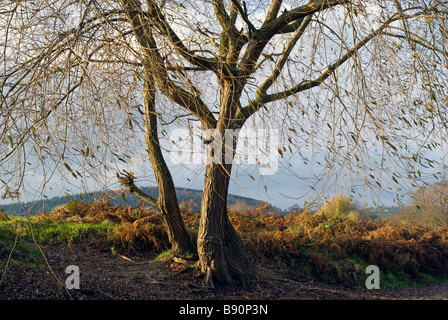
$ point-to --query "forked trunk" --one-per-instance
(221, 252)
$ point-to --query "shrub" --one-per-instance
(340, 206)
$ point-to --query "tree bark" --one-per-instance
(167, 201)
(221, 252)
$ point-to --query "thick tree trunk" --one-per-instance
(182, 245)
(221, 252)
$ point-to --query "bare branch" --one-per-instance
(157, 16)
(262, 98)
(244, 16)
(127, 180)
(273, 27)
(153, 58)
(273, 10)
(284, 57)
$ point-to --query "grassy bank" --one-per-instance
(333, 248)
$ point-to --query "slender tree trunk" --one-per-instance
(182, 245)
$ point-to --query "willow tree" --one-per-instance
(325, 69)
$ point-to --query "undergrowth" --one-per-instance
(332, 248)
(338, 249)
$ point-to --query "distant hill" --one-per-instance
(116, 197)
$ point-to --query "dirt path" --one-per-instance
(104, 276)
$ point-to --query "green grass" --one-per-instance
(65, 232)
(351, 271)
(17, 251)
(429, 279)
(400, 279)
(50, 232)
(165, 255)
(17, 235)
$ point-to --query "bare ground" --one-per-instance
(105, 276)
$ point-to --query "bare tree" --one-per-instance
(427, 207)
(335, 73)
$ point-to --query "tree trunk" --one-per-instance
(221, 252)
(222, 256)
(182, 245)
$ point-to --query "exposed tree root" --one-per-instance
(209, 278)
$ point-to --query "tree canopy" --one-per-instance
(70, 66)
